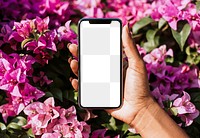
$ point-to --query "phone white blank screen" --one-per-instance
(100, 64)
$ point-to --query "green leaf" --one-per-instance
(30, 133)
(74, 28)
(174, 111)
(141, 23)
(198, 5)
(57, 93)
(48, 94)
(125, 127)
(161, 23)
(21, 121)
(13, 126)
(182, 36)
(111, 125)
(152, 40)
(25, 41)
(2, 126)
(135, 136)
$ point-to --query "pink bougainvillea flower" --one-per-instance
(34, 109)
(7, 110)
(5, 34)
(91, 8)
(99, 133)
(46, 41)
(46, 119)
(186, 109)
(161, 96)
(192, 16)
(194, 41)
(128, 11)
(51, 135)
(188, 118)
(65, 33)
(42, 79)
(42, 24)
(11, 80)
(24, 62)
(158, 55)
(85, 129)
(4, 67)
(30, 91)
(171, 73)
(24, 28)
(169, 12)
(181, 4)
(67, 116)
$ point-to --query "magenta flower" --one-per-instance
(169, 12)
(4, 67)
(23, 30)
(192, 16)
(42, 24)
(24, 62)
(65, 33)
(46, 41)
(11, 80)
(7, 110)
(131, 11)
(47, 120)
(42, 79)
(186, 110)
(193, 40)
(158, 55)
(161, 96)
(5, 34)
(99, 133)
(66, 116)
(91, 8)
(51, 135)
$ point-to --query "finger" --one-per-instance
(73, 48)
(74, 66)
(129, 48)
(74, 83)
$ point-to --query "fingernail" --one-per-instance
(129, 30)
(68, 45)
(69, 60)
(128, 26)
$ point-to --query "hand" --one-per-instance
(136, 86)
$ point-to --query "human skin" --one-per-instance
(139, 109)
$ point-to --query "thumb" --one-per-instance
(129, 48)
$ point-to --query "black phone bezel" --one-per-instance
(99, 21)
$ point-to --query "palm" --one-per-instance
(134, 94)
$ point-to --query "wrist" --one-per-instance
(153, 121)
(145, 115)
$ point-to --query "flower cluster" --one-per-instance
(173, 11)
(58, 11)
(168, 83)
(129, 10)
(91, 8)
(50, 121)
(34, 37)
(14, 70)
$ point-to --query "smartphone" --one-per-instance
(100, 63)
